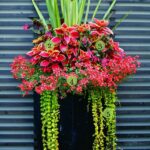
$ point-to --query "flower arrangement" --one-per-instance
(78, 58)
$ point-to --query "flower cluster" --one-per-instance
(72, 59)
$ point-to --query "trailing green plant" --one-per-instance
(104, 118)
(49, 118)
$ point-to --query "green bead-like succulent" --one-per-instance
(108, 113)
(48, 44)
(100, 45)
(72, 80)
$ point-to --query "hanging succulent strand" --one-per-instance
(98, 121)
(104, 120)
(110, 119)
(49, 118)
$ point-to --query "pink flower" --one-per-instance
(104, 62)
(26, 27)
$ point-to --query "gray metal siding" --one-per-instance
(133, 117)
(16, 112)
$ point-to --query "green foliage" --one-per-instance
(104, 119)
(100, 45)
(72, 12)
(109, 9)
(72, 80)
(49, 118)
(87, 11)
(120, 20)
(48, 44)
(53, 11)
(96, 9)
(40, 15)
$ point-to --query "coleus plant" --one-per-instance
(79, 58)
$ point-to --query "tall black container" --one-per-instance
(75, 126)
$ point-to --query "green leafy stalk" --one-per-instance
(40, 15)
(121, 20)
(50, 12)
(81, 10)
(57, 16)
(53, 11)
(109, 9)
(96, 9)
(75, 12)
(87, 11)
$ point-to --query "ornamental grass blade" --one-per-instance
(40, 15)
(96, 9)
(81, 10)
(109, 16)
(65, 11)
(50, 9)
(109, 9)
(75, 12)
(56, 12)
(121, 20)
(87, 11)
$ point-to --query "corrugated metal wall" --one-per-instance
(16, 113)
(134, 114)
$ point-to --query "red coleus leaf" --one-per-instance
(74, 34)
(70, 29)
(107, 31)
(55, 66)
(59, 31)
(95, 33)
(61, 57)
(101, 23)
(56, 40)
(93, 25)
(64, 25)
(36, 57)
(67, 39)
(54, 53)
(44, 63)
(44, 54)
(75, 51)
(63, 47)
(30, 53)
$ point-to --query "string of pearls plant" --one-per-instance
(49, 118)
(104, 118)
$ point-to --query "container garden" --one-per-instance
(74, 59)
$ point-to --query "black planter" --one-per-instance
(75, 126)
